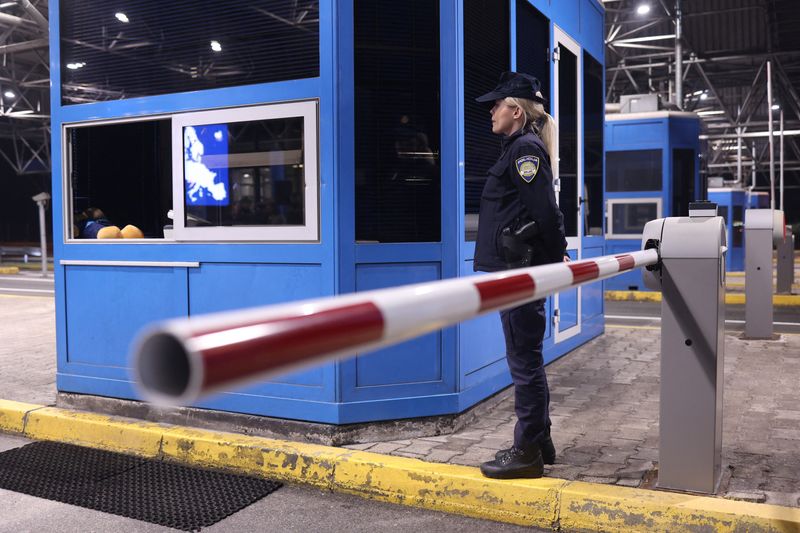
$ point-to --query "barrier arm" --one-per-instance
(180, 361)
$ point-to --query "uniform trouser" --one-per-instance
(524, 327)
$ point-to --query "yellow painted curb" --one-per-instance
(731, 298)
(546, 503)
(9, 270)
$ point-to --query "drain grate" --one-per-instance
(153, 491)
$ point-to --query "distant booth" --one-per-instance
(652, 171)
(272, 151)
(731, 205)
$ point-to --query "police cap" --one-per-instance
(517, 85)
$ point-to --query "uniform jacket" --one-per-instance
(519, 189)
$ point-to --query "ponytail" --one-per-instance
(538, 120)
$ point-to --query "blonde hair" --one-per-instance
(540, 122)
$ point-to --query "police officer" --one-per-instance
(520, 224)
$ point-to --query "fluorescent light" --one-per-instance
(643, 9)
(23, 112)
(216, 46)
(122, 17)
(703, 96)
(75, 66)
(9, 94)
(7, 4)
(775, 107)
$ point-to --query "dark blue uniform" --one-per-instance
(519, 189)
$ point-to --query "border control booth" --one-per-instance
(293, 153)
(652, 171)
(731, 204)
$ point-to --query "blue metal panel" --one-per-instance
(416, 367)
(627, 135)
(592, 34)
(566, 14)
(109, 306)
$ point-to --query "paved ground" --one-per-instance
(604, 405)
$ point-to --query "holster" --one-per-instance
(517, 244)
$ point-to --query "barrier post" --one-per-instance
(691, 280)
(759, 234)
(786, 263)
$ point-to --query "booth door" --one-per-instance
(567, 102)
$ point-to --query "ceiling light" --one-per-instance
(216, 46)
(122, 17)
(643, 9)
(703, 96)
(9, 94)
(707, 113)
(775, 107)
(7, 4)
(75, 66)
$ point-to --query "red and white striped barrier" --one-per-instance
(182, 360)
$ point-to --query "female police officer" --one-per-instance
(520, 224)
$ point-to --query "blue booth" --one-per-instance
(652, 171)
(731, 204)
(271, 151)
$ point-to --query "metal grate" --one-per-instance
(143, 489)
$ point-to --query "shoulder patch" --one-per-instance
(527, 167)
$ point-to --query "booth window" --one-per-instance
(633, 170)
(117, 50)
(237, 174)
(682, 181)
(593, 106)
(738, 225)
(119, 175)
(533, 44)
(487, 54)
(568, 106)
(397, 121)
(629, 216)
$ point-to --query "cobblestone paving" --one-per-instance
(604, 408)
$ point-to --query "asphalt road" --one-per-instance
(27, 284)
(638, 314)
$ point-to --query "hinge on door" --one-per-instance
(557, 184)
(557, 53)
(556, 318)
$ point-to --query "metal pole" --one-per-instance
(781, 187)
(43, 238)
(678, 57)
(771, 141)
(739, 156)
(755, 163)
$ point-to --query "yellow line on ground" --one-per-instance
(780, 300)
(547, 502)
(9, 270)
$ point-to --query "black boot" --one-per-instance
(515, 463)
(546, 445)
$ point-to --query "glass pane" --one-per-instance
(397, 118)
(630, 218)
(244, 173)
(633, 170)
(120, 175)
(118, 49)
(593, 108)
(682, 181)
(738, 225)
(533, 43)
(568, 140)
(487, 54)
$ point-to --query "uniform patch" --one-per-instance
(527, 167)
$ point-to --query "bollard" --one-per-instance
(760, 233)
(692, 282)
(786, 263)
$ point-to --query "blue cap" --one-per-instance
(517, 85)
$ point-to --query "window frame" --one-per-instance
(611, 202)
(309, 232)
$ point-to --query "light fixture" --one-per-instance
(9, 94)
(75, 66)
(643, 9)
(216, 46)
(775, 107)
(122, 17)
(704, 96)
(708, 113)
